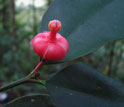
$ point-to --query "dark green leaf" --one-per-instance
(79, 85)
(31, 101)
(87, 24)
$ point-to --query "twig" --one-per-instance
(19, 82)
(31, 78)
(16, 83)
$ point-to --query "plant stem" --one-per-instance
(31, 78)
(19, 82)
(16, 83)
(39, 65)
(37, 81)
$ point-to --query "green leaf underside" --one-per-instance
(31, 101)
(79, 85)
(87, 24)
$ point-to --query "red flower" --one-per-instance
(50, 45)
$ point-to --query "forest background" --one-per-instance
(19, 23)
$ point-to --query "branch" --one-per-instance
(19, 82)
(31, 78)
(16, 83)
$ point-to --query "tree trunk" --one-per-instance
(4, 15)
(34, 18)
(111, 59)
(12, 17)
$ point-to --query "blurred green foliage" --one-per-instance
(17, 57)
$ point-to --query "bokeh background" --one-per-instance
(19, 23)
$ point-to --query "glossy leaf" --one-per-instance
(79, 85)
(87, 24)
(31, 101)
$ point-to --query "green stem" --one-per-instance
(31, 78)
(19, 82)
(37, 81)
(14, 84)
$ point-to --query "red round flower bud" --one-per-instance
(54, 25)
(50, 45)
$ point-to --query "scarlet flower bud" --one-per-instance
(50, 45)
(54, 25)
